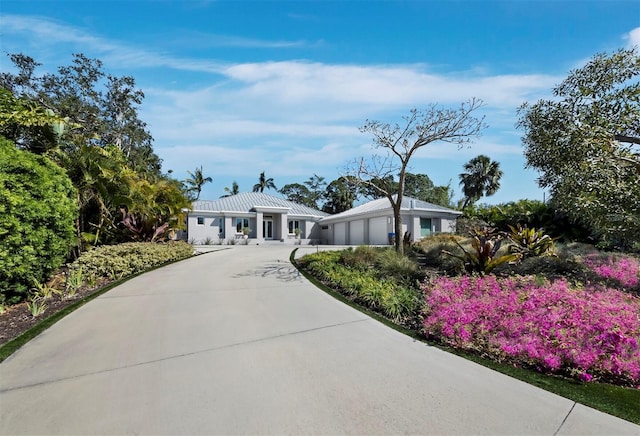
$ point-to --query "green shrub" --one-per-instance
(401, 268)
(362, 257)
(117, 261)
(37, 213)
(371, 287)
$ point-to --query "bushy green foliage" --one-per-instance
(529, 242)
(37, 213)
(367, 285)
(117, 261)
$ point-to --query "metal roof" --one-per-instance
(383, 205)
(248, 201)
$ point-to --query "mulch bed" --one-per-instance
(17, 319)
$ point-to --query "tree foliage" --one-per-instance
(481, 177)
(264, 183)
(37, 213)
(400, 142)
(585, 144)
(298, 193)
(196, 181)
(340, 195)
(87, 122)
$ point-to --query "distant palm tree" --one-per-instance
(481, 177)
(196, 180)
(263, 183)
(234, 190)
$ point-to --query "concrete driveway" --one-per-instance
(237, 342)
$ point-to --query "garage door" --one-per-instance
(356, 232)
(340, 233)
(378, 234)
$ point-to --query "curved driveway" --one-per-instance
(237, 342)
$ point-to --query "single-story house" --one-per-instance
(266, 217)
(372, 223)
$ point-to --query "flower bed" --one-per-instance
(588, 333)
(625, 270)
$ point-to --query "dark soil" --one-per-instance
(17, 319)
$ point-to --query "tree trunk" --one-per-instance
(398, 226)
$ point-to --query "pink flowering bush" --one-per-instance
(623, 270)
(587, 333)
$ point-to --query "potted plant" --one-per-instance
(297, 232)
(245, 232)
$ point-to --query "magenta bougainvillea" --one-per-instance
(590, 333)
(624, 270)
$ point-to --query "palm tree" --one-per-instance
(263, 183)
(196, 181)
(481, 177)
(234, 190)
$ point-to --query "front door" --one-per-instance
(267, 229)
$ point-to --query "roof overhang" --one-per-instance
(271, 209)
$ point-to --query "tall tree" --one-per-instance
(421, 187)
(234, 190)
(264, 183)
(481, 177)
(298, 193)
(586, 145)
(102, 109)
(196, 181)
(340, 195)
(317, 186)
(400, 143)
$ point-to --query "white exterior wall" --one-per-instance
(199, 232)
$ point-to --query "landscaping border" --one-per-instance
(615, 400)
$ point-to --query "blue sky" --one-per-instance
(282, 87)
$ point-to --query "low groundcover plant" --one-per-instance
(625, 270)
(589, 333)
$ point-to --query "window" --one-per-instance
(221, 225)
(201, 221)
(293, 226)
(241, 223)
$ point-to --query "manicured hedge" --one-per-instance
(117, 261)
(37, 213)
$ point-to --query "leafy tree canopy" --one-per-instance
(585, 144)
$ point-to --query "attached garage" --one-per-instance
(378, 234)
(371, 223)
(356, 232)
(340, 234)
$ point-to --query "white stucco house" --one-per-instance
(372, 223)
(269, 218)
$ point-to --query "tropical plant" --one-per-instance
(264, 183)
(234, 190)
(36, 306)
(529, 242)
(196, 181)
(37, 213)
(481, 177)
(484, 257)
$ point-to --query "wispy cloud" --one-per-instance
(633, 38)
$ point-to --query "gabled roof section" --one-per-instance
(248, 201)
(383, 205)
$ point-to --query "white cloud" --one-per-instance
(633, 38)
